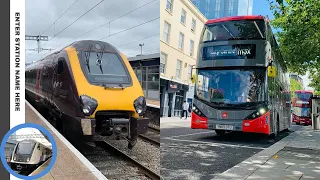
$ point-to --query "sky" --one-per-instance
(262, 7)
(41, 14)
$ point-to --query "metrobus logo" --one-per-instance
(224, 115)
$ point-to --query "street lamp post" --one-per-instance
(141, 47)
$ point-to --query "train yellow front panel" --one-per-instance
(108, 99)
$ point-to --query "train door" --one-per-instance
(57, 80)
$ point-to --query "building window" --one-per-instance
(191, 47)
(163, 60)
(217, 8)
(178, 69)
(193, 25)
(169, 6)
(183, 16)
(166, 32)
(231, 6)
(189, 72)
(181, 41)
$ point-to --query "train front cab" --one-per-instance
(115, 108)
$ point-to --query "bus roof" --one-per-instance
(303, 91)
(234, 18)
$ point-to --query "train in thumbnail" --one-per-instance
(28, 154)
(90, 89)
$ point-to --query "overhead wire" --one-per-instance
(104, 23)
(74, 21)
(67, 42)
(60, 16)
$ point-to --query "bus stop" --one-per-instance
(315, 112)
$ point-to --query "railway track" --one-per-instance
(115, 164)
(152, 136)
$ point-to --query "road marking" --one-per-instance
(215, 144)
(207, 132)
(84, 160)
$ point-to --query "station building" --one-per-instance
(181, 25)
(146, 68)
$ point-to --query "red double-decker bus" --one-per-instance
(301, 107)
(241, 80)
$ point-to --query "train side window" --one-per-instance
(60, 65)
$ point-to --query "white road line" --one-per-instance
(215, 144)
(206, 132)
(84, 160)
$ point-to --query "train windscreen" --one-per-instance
(25, 148)
(106, 68)
(235, 30)
(240, 87)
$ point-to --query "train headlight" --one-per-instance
(14, 158)
(88, 105)
(140, 105)
(28, 159)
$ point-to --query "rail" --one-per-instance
(148, 172)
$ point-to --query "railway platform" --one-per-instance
(70, 163)
(153, 103)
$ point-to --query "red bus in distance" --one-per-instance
(301, 107)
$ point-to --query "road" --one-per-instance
(201, 154)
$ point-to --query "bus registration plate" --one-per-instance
(225, 127)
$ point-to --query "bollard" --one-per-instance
(316, 122)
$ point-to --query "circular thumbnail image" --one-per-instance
(28, 151)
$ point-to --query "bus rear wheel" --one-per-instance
(220, 132)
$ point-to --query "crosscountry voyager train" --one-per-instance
(90, 89)
(28, 154)
(241, 80)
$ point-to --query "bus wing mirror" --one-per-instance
(271, 71)
(193, 78)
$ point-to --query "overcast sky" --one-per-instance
(40, 14)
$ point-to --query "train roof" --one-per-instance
(235, 18)
(95, 45)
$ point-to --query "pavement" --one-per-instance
(295, 157)
(200, 154)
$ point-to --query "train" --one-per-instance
(90, 90)
(28, 154)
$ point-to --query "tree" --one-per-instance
(299, 37)
(294, 85)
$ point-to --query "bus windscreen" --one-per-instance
(238, 86)
(235, 30)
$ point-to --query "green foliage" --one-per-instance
(317, 93)
(294, 85)
(299, 39)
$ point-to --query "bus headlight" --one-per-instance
(88, 105)
(197, 111)
(261, 111)
(140, 105)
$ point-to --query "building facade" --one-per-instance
(146, 68)
(297, 78)
(181, 25)
(213, 9)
